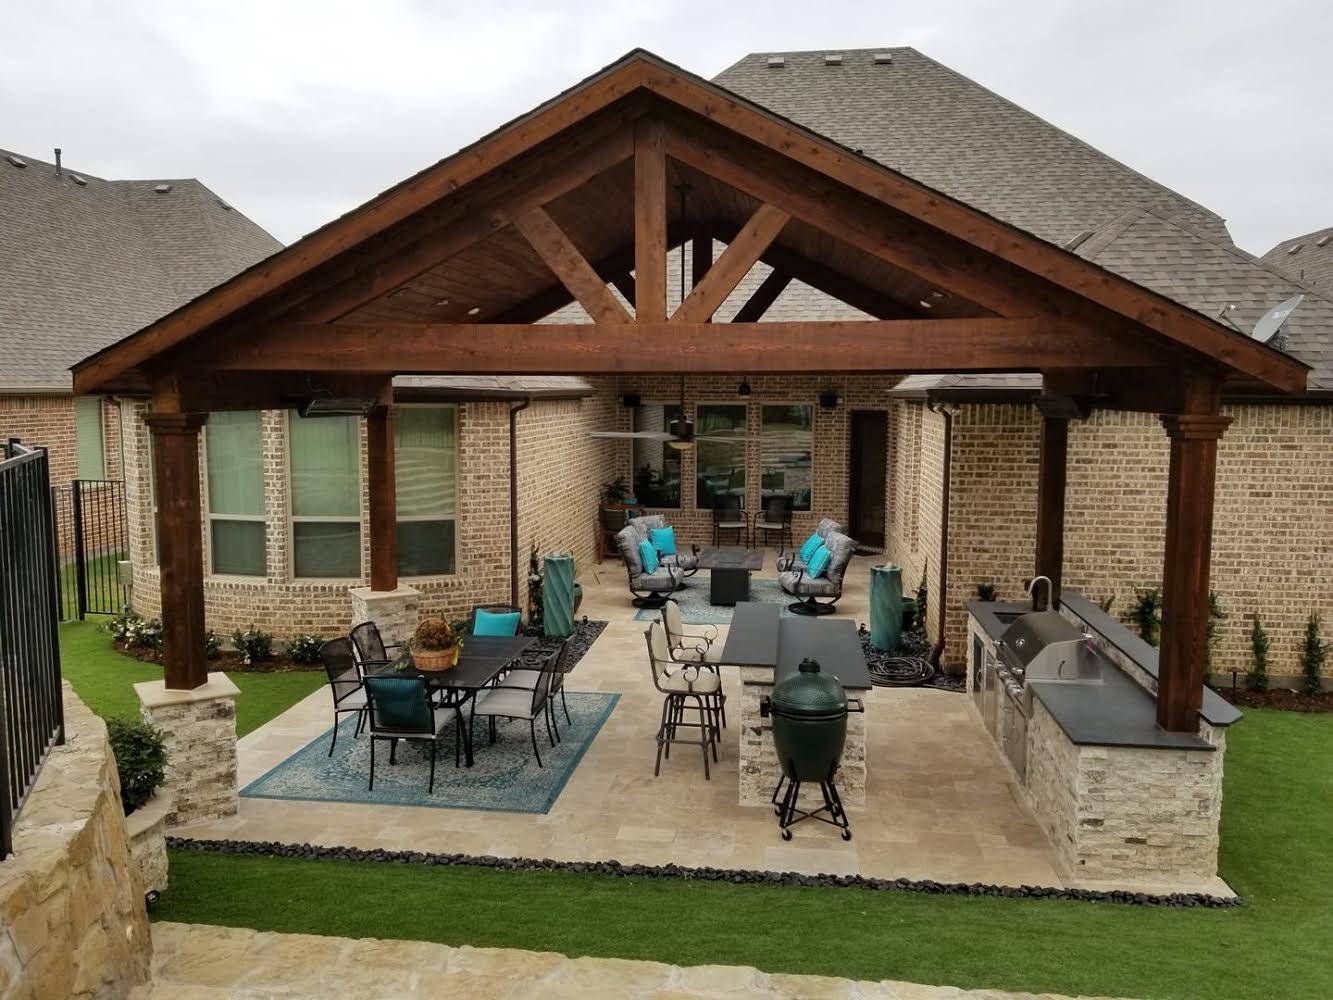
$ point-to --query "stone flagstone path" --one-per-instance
(197, 962)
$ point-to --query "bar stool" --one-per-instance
(685, 688)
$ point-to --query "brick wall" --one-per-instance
(48, 421)
(1273, 536)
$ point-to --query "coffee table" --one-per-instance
(729, 572)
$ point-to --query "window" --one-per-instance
(720, 464)
(785, 446)
(656, 463)
(235, 464)
(88, 437)
(325, 459)
(426, 470)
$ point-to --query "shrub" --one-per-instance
(922, 600)
(304, 648)
(435, 634)
(141, 758)
(253, 644)
(1257, 679)
(1106, 602)
(1313, 653)
(1146, 614)
(985, 591)
(212, 644)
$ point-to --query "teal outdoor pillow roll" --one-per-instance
(818, 563)
(664, 540)
(648, 555)
(809, 548)
(490, 623)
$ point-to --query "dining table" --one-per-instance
(482, 659)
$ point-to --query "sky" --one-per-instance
(296, 111)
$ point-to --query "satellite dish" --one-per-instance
(1271, 322)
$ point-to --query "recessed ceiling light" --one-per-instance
(441, 303)
(474, 310)
(924, 304)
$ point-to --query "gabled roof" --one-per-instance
(84, 264)
(1187, 266)
(1307, 258)
(992, 246)
(933, 124)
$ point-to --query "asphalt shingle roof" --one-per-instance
(1307, 258)
(83, 265)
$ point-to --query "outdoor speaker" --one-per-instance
(630, 399)
(828, 400)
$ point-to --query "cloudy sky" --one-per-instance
(297, 110)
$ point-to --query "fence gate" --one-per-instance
(92, 540)
(31, 714)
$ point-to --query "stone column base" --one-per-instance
(394, 612)
(759, 769)
(201, 739)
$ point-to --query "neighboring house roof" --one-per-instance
(937, 126)
(1307, 258)
(86, 261)
(1184, 264)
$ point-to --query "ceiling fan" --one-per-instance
(679, 434)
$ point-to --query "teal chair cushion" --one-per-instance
(809, 547)
(818, 562)
(664, 540)
(648, 555)
(492, 623)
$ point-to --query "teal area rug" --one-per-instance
(505, 777)
(695, 609)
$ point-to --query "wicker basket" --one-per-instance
(433, 660)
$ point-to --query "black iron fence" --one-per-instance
(32, 718)
(91, 540)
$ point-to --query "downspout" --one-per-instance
(945, 411)
(514, 411)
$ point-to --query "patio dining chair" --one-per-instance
(349, 694)
(401, 709)
(505, 702)
(775, 518)
(728, 516)
(526, 677)
(371, 650)
(685, 687)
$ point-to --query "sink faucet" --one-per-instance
(1032, 593)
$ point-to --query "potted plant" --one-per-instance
(434, 645)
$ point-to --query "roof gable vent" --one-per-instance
(225, 206)
(1323, 241)
(777, 62)
(81, 182)
(883, 58)
(833, 59)
(162, 189)
(15, 161)
(1295, 249)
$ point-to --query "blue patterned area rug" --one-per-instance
(695, 609)
(505, 777)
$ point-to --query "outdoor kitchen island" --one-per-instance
(767, 647)
(1070, 699)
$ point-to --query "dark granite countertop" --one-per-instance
(1115, 712)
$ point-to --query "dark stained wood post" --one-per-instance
(1051, 476)
(383, 501)
(180, 546)
(650, 222)
(1189, 540)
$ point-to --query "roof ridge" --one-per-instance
(1069, 135)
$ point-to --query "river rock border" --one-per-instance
(615, 869)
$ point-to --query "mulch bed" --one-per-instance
(1280, 698)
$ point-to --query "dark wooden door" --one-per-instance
(868, 475)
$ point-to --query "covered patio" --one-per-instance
(457, 269)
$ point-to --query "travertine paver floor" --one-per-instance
(940, 803)
(197, 962)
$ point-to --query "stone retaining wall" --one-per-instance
(72, 916)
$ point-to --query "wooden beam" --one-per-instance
(382, 498)
(650, 222)
(1191, 480)
(924, 345)
(569, 265)
(211, 391)
(764, 296)
(175, 438)
(734, 264)
(1051, 476)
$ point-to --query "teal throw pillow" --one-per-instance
(493, 623)
(664, 540)
(809, 547)
(648, 556)
(818, 562)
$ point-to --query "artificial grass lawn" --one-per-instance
(104, 679)
(1277, 837)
